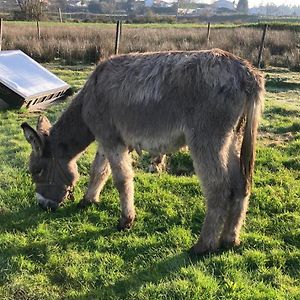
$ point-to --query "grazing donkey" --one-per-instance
(209, 100)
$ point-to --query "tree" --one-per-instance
(62, 4)
(102, 6)
(32, 9)
(108, 7)
(243, 6)
(94, 7)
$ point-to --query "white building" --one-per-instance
(224, 4)
(149, 3)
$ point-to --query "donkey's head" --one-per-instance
(54, 177)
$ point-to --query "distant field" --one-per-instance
(272, 24)
(73, 43)
(80, 255)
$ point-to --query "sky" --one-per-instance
(258, 2)
(277, 2)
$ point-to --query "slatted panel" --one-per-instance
(24, 82)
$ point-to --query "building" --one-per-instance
(149, 3)
(224, 4)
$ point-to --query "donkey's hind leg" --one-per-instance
(210, 161)
(231, 231)
(238, 204)
(100, 172)
(120, 162)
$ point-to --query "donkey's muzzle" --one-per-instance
(46, 204)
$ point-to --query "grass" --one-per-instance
(72, 254)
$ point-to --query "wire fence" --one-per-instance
(87, 43)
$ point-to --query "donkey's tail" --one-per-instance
(254, 105)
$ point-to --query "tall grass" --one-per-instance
(89, 43)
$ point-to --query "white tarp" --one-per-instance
(25, 76)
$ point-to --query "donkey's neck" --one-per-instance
(70, 136)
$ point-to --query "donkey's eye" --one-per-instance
(40, 173)
(37, 172)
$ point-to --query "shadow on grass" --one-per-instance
(125, 288)
(18, 223)
(281, 83)
(283, 112)
(277, 71)
(294, 129)
(30, 216)
(161, 270)
(37, 250)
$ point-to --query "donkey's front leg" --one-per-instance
(100, 172)
(120, 162)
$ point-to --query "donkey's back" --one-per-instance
(155, 101)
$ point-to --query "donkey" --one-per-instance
(208, 100)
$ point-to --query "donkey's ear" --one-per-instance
(43, 125)
(33, 138)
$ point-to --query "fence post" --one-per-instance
(117, 42)
(208, 33)
(262, 44)
(38, 29)
(1, 32)
(121, 28)
(60, 15)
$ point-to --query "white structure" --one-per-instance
(224, 4)
(149, 3)
(24, 82)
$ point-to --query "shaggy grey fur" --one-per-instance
(159, 102)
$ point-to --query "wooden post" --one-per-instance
(121, 28)
(262, 44)
(117, 42)
(38, 29)
(208, 33)
(60, 15)
(1, 32)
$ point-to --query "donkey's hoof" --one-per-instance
(85, 203)
(194, 252)
(125, 223)
(228, 244)
(199, 250)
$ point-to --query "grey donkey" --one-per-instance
(209, 100)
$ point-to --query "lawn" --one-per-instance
(72, 254)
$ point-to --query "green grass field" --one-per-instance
(72, 254)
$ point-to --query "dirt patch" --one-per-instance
(275, 139)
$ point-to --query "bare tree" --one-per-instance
(243, 6)
(32, 9)
(62, 4)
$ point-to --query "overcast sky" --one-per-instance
(258, 2)
(277, 2)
